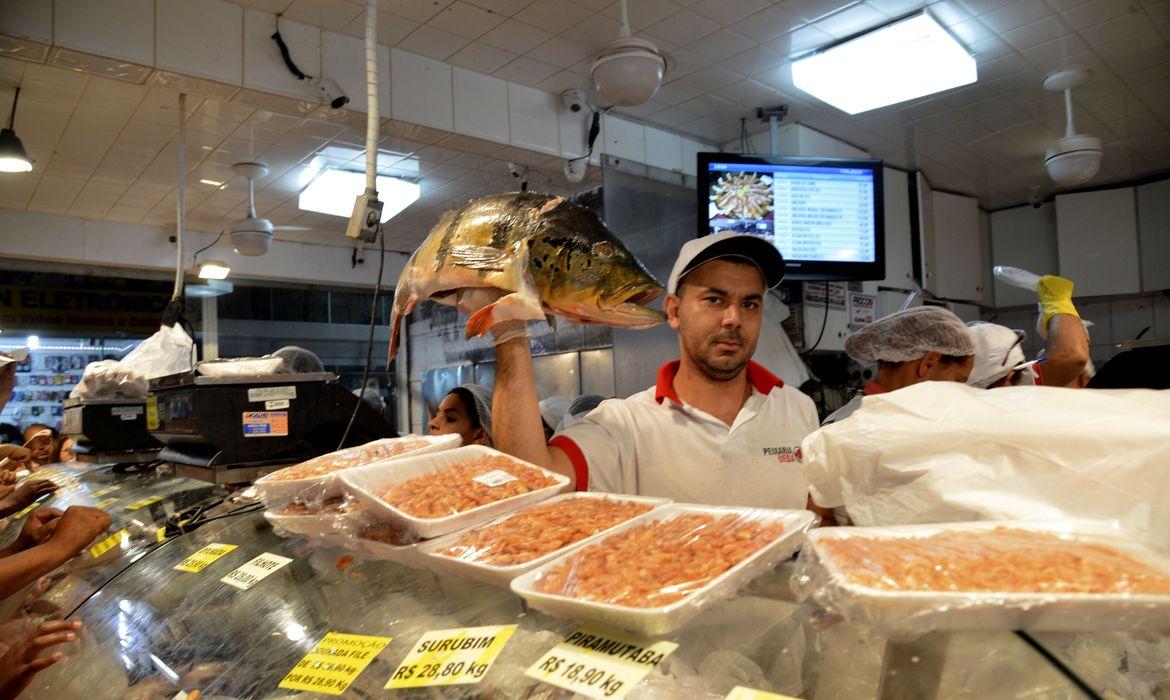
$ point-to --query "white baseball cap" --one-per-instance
(756, 250)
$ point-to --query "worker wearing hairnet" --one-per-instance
(552, 412)
(466, 410)
(926, 343)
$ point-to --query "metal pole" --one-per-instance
(179, 225)
(774, 134)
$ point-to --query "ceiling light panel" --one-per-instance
(898, 62)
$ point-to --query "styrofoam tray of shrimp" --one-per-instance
(437, 494)
(653, 574)
(524, 539)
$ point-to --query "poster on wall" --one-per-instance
(62, 304)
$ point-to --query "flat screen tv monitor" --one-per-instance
(823, 214)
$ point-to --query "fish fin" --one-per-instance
(550, 205)
(477, 257)
(398, 312)
(510, 307)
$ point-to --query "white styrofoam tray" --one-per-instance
(324, 525)
(318, 488)
(503, 575)
(912, 612)
(364, 483)
(667, 618)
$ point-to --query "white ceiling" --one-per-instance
(108, 149)
(733, 55)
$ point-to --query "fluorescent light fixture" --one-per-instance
(898, 62)
(213, 183)
(32, 342)
(213, 270)
(333, 191)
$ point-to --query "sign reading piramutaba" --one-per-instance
(81, 303)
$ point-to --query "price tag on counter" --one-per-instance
(599, 663)
(740, 692)
(334, 663)
(102, 505)
(104, 492)
(144, 503)
(152, 421)
(254, 571)
(26, 510)
(451, 657)
(160, 534)
(203, 558)
(114, 540)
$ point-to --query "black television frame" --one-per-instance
(807, 270)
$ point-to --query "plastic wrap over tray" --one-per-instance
(524, 539)
(913, 579)
(316, 480)
(651, 575)
(328, 520)
(437, 494)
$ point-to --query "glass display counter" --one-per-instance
(155, 632)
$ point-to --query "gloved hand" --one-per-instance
(1055, 298)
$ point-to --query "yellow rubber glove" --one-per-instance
(1055, 298)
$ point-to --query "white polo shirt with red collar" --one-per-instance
(653, 444)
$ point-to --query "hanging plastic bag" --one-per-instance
(943, 452)
(169, 351)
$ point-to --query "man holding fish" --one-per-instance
(717, 428)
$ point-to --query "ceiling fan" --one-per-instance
(253, 235)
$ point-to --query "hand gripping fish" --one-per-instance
(526, 255)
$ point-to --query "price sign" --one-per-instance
(26, 510)
(254, 571)
(144, 503)
(740, 692)
(203, 558)
(451, 657)
(114, 540)
(334, 663)
(600, 664)
(102, 505)
(103, 492)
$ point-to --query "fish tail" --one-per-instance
(398, 311)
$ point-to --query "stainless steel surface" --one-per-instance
(268, 379)
(224, 475)
(597, 372)
(912, 670)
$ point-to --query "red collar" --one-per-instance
(874, 388)
(760, 378)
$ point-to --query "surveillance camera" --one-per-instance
(517, 171)
(327, 90)
(574, 100)
(1035, 199)
(576, 169)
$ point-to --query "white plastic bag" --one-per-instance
(168, 351)
(944, 452)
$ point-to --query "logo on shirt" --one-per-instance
(783, 454)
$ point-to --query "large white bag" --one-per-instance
(169, 351)
(945, 452)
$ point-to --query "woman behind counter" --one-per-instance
(466, 410)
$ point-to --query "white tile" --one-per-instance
(1038, 32)
(755, 60)
(481, 105)
(264, 68)
(1119, 27)
(624, 139)
(727, 12)
(812, 10)
(526, 70)
(533, 115)
(332, 15)
(466, 20)
(29, 20)
(1093, 13)
(712, 78)
(506, 8)
(116, 28)
(201, 39)
(561, 52)
(691, 147)
(421, 89)
(683, 27)
(664, 149)
(768, 24)
(391, 28)
(853, 20)
(553, 15)
(516, 36)
(480, 57)
(432, 42)
(564, 80)
(721, 44)
(344, 60)
(1015, 14)
(799, 41)
(643, 13)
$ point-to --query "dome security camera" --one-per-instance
(576, 169)
(574, 100)
(329, 92)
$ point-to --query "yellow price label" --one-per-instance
(114, 540)
(152, 413)
(741, 692)
(451, 657)
(161, 534)
(106, 503)
(334, 663)
(26, 510)
(203, 558)
(144, 503)
(600, 664)
(104, 492)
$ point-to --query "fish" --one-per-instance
(526, 256)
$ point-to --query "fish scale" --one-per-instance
(526, 256)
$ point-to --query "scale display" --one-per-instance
(823, 215)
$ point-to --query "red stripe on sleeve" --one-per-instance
(577, 457)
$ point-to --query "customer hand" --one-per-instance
(22, 661)
(29, 491)
(8, 477)
(16, 455)
(37, 529)
(78, 527)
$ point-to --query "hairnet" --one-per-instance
(481, 397)
(553, 409)
(910, 334)
(298, 360)
(372, 398)
(584, 404)
(997, 352)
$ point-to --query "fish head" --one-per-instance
(585, 274)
